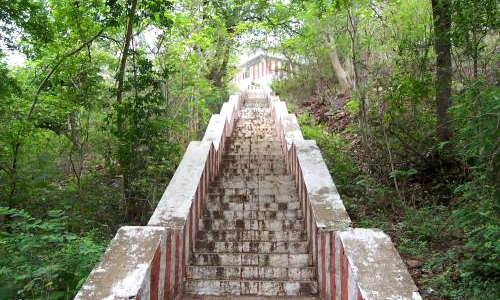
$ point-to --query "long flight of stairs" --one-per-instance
(251, 240)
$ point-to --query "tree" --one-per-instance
(441, 11)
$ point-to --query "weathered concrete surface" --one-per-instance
(328, 210)
(188, 297)
(124, 268)
(251, 238)
(291, 129)
(215, 129)
(176, 201)
(279, 110)
(375, 266)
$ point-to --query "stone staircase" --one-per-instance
(232, 224)
(251, 239)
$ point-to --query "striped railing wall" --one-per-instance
(352, 264)
(149, 262)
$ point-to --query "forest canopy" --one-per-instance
(401, 95)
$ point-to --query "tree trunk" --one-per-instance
(130, 203)
(441, 12)
(218, 71)
(123, 61)
(340, 73)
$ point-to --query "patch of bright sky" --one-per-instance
(14, 58)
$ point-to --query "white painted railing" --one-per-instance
(149, 262)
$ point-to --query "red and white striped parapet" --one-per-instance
(149, 262)
(353, 264)
(362, 264)
(130, 268)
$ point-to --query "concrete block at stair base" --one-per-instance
(291, 129)
(327, 207)
(173, 208)
(375, 267)
(125, 269)
(215, 130)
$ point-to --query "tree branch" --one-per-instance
(54, 69)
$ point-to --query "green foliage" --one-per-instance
(40, 259)
(60, 148)
(438, 200)
(333, 148)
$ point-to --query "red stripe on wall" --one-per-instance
(190, 219)
(197, 202)
(316, 250)
(333, 287)
(359, 297)
(310, 230)
(168, 257)
(176, 271)
(184, 250)
(155, 273)
(306, 216)
(323, 265)
(344, 275)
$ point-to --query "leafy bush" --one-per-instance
(40, 259)
(333, 148)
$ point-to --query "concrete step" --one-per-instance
(253, 178)
(256, 138)
(251, 287)
(272, 148)
(251, 273)
(194, 297)
(254, 165)
(242, 128)
(254, 111)
(265, 143)
(251, 247)
(273, 225)
(256, 117)
(296, 260)
(255, 171)
(251, 235)
(222, 206)
(240, 184)
(245, 199)
(278, 170)
(259, 125)
(233, 215)
(237, 135)
(244, 144)
(253, 156)
(252, 191)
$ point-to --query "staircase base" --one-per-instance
(189, 297)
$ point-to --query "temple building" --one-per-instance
(263, 67)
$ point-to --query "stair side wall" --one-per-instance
(352, 264)
(149, 262)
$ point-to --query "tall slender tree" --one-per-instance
(441, 11)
